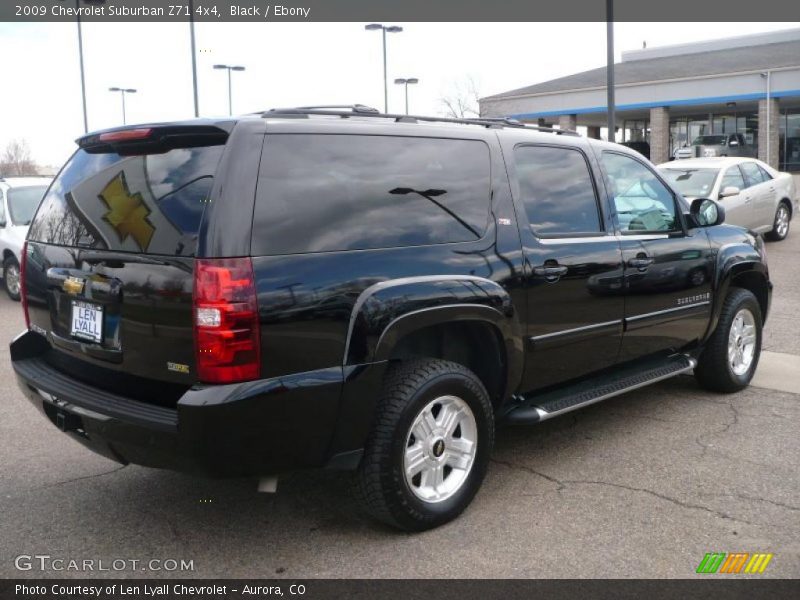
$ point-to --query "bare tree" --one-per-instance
(16, 160)
(462, 101)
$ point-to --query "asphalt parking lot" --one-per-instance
(642, 485)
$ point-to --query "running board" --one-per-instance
(577, 395)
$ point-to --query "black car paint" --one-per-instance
(330, 320)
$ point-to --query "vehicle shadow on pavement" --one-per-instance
(321, 500)
(639, 456)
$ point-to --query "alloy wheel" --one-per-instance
(12, 279)
(440, 450)
(742, 342)
(782, 221)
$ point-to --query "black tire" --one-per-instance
(11, 266)
(380, 482)
(775, 235)
(714, 371)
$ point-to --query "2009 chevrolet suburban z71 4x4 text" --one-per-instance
(335, 287)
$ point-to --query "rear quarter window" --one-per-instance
(319, 193)
(149, 203)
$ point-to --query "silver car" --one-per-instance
(727, 144)
(754, 194)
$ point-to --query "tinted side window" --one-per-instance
(319, 193)
(557, 190)
(642, 203)
(732, 178)
(149, 203)
(764, 175)
(752, 173)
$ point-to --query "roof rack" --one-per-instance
(359, 110)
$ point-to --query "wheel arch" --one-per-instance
(476, 337)
(425, 316)
(785, 200)
(751, 276)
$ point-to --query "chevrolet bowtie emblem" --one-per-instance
(127, 212)
(72, 286)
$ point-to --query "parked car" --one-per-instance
(727, 144)
(19, 197)
(754, 194)
(341, 288)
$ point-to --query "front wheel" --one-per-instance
(730, 357)
(429, 447)
(11, 277)
(780, 227)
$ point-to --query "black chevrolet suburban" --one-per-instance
(336, 287)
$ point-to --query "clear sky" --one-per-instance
(288, 64)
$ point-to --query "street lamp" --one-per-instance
(83, 76)
(122, 92)
(611, 110)
(193, 46)
(229, 69)
(384, 29)
(405, 82)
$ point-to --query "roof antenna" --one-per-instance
(644, 44)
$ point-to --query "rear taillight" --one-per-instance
(23, 297)
(226, 331)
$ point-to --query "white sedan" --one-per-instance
(19, 199)
(754, 194)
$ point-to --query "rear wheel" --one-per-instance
(429, 447)
(11, 277)
(780, 227)
(730, 357)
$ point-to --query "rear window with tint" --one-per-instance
(319, 193)
(145, 204)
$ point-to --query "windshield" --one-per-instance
(693, 183)
(22, 203)
(709, 140)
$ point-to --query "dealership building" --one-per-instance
(668, 96)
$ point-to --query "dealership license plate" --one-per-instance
(87, 321)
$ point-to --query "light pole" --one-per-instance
(83, 77)
(122, 92)
(405, 82)
(612, 125)
(230, 95)
(384, 30)
(194, 59)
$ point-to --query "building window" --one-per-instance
(789, 146)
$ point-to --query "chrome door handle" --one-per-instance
(550, 272)
(640, 262)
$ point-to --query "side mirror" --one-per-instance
(729, 190)
(706, 212)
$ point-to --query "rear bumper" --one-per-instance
(254, 428)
